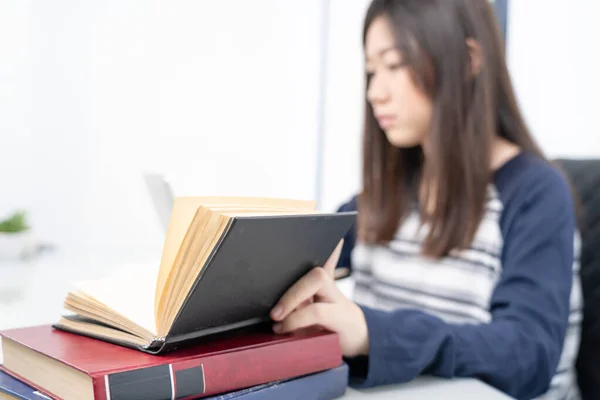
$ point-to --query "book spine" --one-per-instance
(220, 373)
(99, 383)
(326, 385)
(227, 372)
(149, 383)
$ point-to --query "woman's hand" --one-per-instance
(316, 300)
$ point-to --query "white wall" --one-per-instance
(344, 103)
(16, 140)
(554, 61)
(220, 96)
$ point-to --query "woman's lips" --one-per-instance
(385, 121)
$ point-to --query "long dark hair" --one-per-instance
(469, 109)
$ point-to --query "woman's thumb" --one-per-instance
(333, 259)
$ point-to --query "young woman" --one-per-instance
(464, 253)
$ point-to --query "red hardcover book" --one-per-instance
(69, 366)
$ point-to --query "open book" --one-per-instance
(225, 263)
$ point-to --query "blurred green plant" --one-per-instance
(15, 223)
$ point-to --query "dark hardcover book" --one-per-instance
(69, 366)
(225, 264)
(12, 388)
(327, 385)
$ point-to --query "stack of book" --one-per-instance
(197, 325)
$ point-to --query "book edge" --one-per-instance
(27, 382)
(150, 348)
(6, 335)
(305, 215)
(172, 342)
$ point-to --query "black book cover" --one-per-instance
(256, 261)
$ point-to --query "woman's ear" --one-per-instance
(475, 55)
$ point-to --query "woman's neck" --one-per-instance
(502, 151)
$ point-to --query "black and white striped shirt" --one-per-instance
(507, 310)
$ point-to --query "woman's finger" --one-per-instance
(321, 314)
(316, 283)
(305, 303)
(333, 258)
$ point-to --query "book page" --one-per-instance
(182, 216)
(129, 291)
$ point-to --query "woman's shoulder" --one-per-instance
(531, 185)
(528, 177)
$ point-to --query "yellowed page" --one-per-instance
(129, 291)
(184, 209)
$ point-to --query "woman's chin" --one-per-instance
(403, 139)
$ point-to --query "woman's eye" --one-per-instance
(395, 66)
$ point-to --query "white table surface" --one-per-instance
(42, 298)
(427, 388)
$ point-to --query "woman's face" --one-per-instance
(402, 110)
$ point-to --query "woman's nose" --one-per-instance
(377, 91)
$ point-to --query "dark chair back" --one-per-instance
(584, 176)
